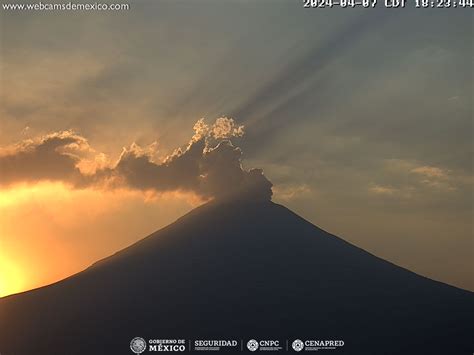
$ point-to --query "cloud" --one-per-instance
(52, 157)
(287, 192)
(430, 171)
(209, 166)
(402, 192)
(411, 179)
(418, 173)
(382, 190)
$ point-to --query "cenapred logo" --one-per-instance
(138, 345)
(315, 345)
(252, 345)
(297, 345)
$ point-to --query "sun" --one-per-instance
(11, 277)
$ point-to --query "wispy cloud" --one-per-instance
(430, 171)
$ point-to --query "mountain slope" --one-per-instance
(240, 270)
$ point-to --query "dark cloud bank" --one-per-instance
(210, 165)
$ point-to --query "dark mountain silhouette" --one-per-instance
(240, 270)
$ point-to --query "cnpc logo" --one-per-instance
(254, 345)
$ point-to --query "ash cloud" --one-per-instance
(210, 165)
(54, 157)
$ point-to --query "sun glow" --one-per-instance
(12, 279)
(49, 231)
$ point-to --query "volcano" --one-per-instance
(240, 270)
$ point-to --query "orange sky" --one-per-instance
(368, 138)
(50, 231)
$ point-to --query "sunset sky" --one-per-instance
(361, 119)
